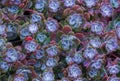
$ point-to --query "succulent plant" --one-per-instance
(52, 51)
(69, 3)
(59, 40)
(31, 46)
(75, 20)
(39, 54)
(74, 71)
(4, 66)
(11, 55)
(97, 27)
(54, 5)
(90, 3)
(33, 28)
(48, 76)
(51, 25)
(90, 53)
(106, 10)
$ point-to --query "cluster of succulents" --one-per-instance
(59, 40)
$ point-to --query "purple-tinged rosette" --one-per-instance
(75, 20)
(69, 3)
(48, 76)
(51, 25)
(74, 71)
(97, 27)
(106, 10)
(90, 3)
(54, 5)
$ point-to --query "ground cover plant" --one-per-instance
(59, 40)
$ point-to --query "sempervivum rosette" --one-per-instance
(111, 44)
(24, 32)
(69, 3)
(95, 42)
(97, 27)
(11, 55)
(74, 71)
(40, 53)
(48, 76)
(35, 18)
(19, 78)
(30, 45)
(106, 10)
(92, 72)
(2, 44)
(113, 69)
(4, 66)
(51, 62)
(64, 79)
(90, 53)
(75, 20)
(22, 74)
(33, 28)
(42, 37)
(40, 5)
(115, 3)
(90, 3)
(78, 58)
(97, 64)
(51, 25)
(78, 79)
(52, 50)
(12, 30)
(68, 41)
(117, 28)
(2, 30)
(54, 5)
(113, 78)
(59, 40)
(37, 79)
